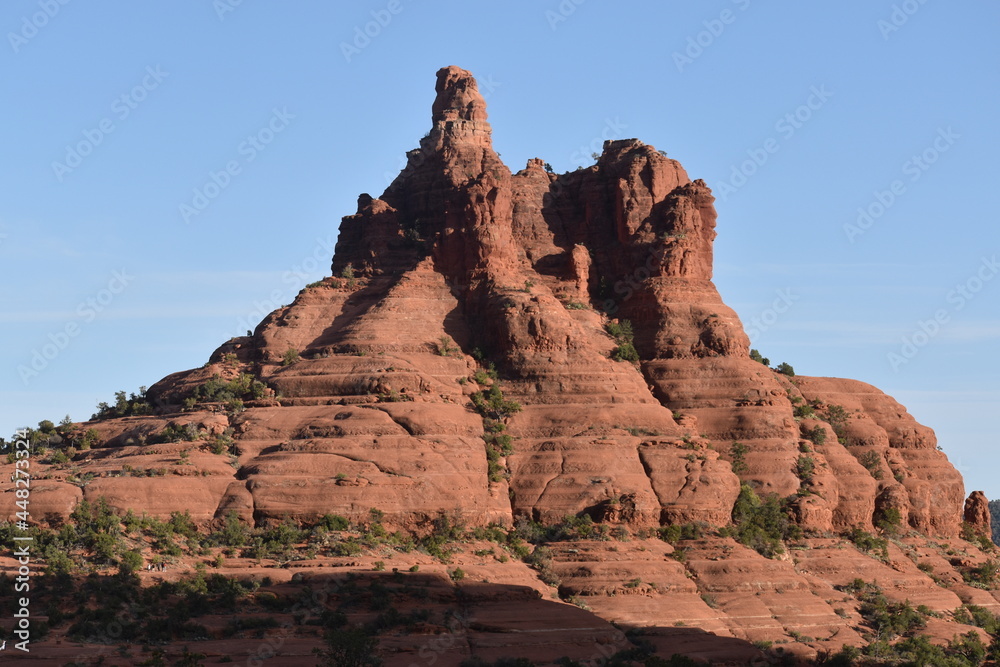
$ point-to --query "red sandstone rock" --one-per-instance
(460, 264)
(977, 514)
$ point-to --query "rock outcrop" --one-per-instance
(977, 514)
(587, 299)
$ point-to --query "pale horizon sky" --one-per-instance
(851, 146)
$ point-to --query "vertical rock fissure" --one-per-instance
(647, 468)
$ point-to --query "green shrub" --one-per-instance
(623, 335)
(234, 533)
(90, 438)
(804, 411)
(130, 562)
(785, 369)
(540, 560)
(223, 444)
(872, 461)
(625, 352)
(290, 357)
(805, 468)
(967, 533)
(347, 547)
(738, 452)
(889, 520)
(968, 647)
(58, 457)
(837, 417)
(350, 647)
(674, 533)
(173, 433)
(217, 390)
(125, 406)
(763, 525)
(393, 396)
(334, 522)
(445, 346)
(620, 331)
(756, 356)
(847, 656)
(982, 576)
(886, 619)
(491, 403)
(971, 614)
(877, 546)
(817, 435)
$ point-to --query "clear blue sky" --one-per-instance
(712, 83)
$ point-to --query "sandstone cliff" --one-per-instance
(496, 346)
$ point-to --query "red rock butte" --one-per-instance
(463, 276)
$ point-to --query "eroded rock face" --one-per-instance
(977, 514)
(460, 266)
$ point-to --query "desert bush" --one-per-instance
(125, 406)
(130, 562)
(872, 461)
(350, 647)
(446, 346)
(982, 576)
(334, 522)
(836, 416)
(90, 438)
(804, 411)
(625, 352)
(491, 403)
(623, 335)
(889, 520)
(817, 435)
(541, 561)
(763, 525)
(676, 532)
(889, 619)
(876, 546)
(234, 533)
(785, 369)
(971, 614)
(738, 452)
(217, 390)
(805, 468)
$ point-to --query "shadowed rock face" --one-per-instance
(461, 264)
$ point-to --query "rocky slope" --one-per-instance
(622, 390)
